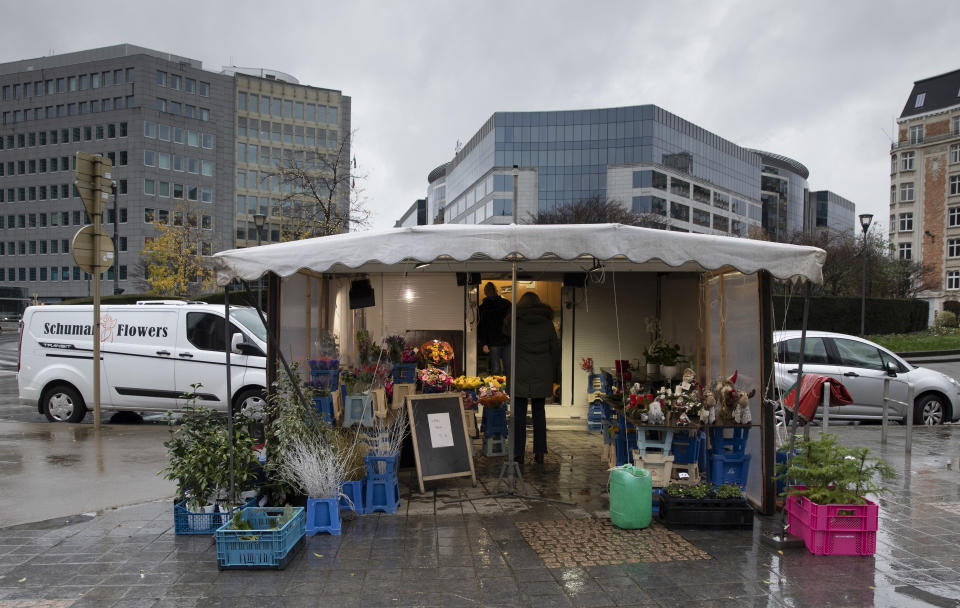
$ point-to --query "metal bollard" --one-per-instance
(826, 406)
(909, 441)
(886, 411)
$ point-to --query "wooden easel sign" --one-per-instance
(441, 441)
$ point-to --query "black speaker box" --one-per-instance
(361, 294)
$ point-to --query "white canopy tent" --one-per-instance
(478, 248)
(726, 285)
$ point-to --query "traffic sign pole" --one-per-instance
(94, 183)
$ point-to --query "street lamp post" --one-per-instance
(865, 219)
(259, 220)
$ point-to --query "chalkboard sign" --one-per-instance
(441, 443)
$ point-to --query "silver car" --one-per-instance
(862, 366)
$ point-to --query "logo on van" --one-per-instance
(110, 329)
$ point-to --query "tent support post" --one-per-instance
(227, 351)
(783, 539)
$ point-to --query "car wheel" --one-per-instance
(252, 398)
(62, 403)
(929, 410)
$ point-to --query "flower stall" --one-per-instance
(708, 298)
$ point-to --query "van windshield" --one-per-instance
(249, 318)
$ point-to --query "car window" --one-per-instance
(205, 331)
(858, 354)
(788, 351)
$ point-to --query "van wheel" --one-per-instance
(252, 397)
(62, 403)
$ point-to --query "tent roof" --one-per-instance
(485, 248)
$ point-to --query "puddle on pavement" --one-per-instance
(63, 460)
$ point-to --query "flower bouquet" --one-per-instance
(467, 383)
(586, 364)
(395, 345)
(410, 354)
(491, 393)
(436, 352)
(434, 379)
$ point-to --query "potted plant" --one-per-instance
(704, 504)
(199, 462)
(827, 501)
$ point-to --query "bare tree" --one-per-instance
(887, 276)
(319, 194)
(595, 210)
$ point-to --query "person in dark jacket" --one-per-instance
(538, 358)
(490, 334)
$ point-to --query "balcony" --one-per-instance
(907, 143)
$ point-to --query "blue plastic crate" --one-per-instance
(687, 445)
(595, 416)
(324, 408)
(596, 383)
(323, 515)
(352, 495)
(188, 522)
(729, 440)
(495, 421)
(326, 378)
(655, 507)
(264, 546)
(358, 409)
(729, 469)
(404, 373)
(382, 492)
(658, 440)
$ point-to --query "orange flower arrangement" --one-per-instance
(436, 352)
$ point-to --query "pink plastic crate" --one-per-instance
(834, 529)
(831, 518)
(835, 543)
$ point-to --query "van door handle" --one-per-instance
(793, 371)
(188, 355)
(165, 353)
(852, 374)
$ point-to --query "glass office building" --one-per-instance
(648, 159)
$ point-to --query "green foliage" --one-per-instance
(944, 318)
(703, 490)
(664, 353)
(199, 453)
(932, 338)
(290, 419)
(834, 474)
(842, 314)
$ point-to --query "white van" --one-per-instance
(152, 353)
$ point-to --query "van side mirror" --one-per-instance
(892, 369)
(236, 340)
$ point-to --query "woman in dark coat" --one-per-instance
(538, 358)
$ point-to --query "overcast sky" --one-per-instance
(820, 82)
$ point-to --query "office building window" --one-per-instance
(955, 153)
(953, 216)
(679, 212)
(954, 185)
(905, 251)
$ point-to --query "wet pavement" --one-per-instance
(56, 470)
(476, 553)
